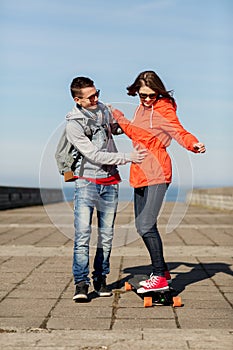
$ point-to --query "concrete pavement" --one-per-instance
(36, 289)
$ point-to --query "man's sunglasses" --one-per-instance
(91, 98)
(144, 96)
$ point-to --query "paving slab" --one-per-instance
(36, 285)
(117, 339)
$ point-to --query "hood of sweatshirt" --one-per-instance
(80, 112)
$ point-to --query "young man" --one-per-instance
(89, 128)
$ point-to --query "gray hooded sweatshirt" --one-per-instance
(90, 132)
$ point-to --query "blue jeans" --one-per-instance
(88, 196)
(147, 204)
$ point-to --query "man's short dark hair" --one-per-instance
(78, 84)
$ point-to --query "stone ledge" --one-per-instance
(219, 198)
(16, 197)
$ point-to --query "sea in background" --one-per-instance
(174, 194)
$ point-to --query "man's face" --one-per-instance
(88, 97)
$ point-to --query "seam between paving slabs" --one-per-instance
(19, 283)
(216, 285)
(116, 297)
(45, 322)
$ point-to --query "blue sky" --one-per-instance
(45, 44)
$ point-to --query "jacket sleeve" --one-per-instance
(116, 129)
(130, 130)
(171, 125)
(75, 135)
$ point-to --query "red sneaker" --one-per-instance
(153, 284)
(168, 277)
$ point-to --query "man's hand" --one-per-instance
(137, 155)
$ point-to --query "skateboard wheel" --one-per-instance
(177, 302)
(128, 286)
(147, 301)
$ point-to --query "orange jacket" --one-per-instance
(153, 128)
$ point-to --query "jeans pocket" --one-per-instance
(116, 187)
(79, 183)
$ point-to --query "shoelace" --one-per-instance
(151, 281)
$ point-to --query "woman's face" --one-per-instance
(147, 96)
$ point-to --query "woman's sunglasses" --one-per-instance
(144, 96)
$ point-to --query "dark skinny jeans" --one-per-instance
(147, 203)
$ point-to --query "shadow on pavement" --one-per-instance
(198, 272)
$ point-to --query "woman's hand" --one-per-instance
(199, 147)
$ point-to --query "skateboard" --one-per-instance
(166, 297)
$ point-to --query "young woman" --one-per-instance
(154, 125)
